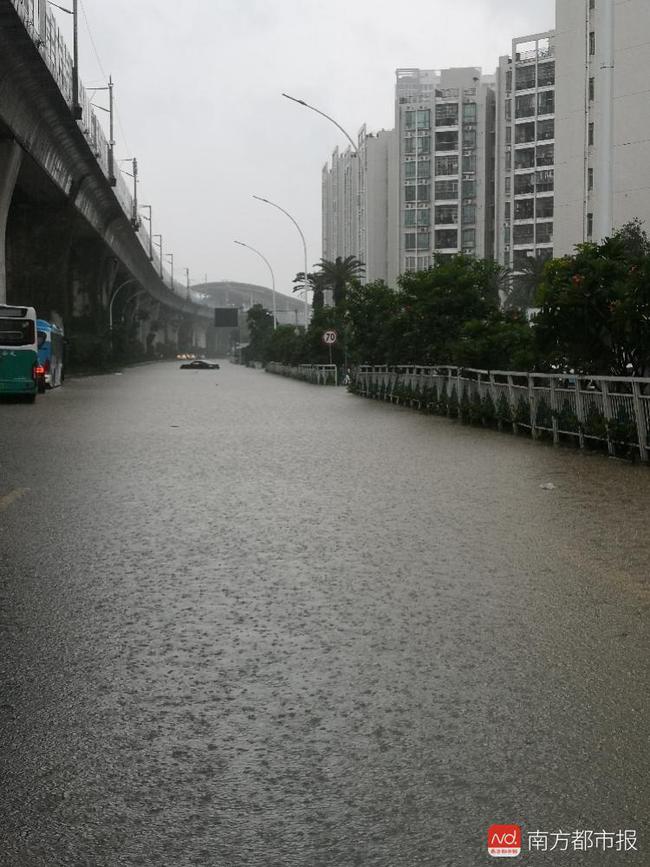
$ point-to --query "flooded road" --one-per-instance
(249, 621)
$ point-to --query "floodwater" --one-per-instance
(250, 622)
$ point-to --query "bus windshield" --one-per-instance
(16, 332)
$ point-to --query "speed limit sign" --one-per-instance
(329, 337)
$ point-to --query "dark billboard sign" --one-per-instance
(226, 317)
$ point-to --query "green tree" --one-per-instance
(340, 275)
(525, 286)
(373, 318)
(435, 304)
(595, 311)
(503, 341)
(260, 327)
(316, 281)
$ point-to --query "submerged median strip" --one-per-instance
(610, 414)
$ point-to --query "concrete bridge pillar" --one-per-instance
(10, 159)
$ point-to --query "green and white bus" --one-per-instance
(18, 351)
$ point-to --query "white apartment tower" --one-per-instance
(525, 152)
(359, 205)
(602, 118)
(445, 126)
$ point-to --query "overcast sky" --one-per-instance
(198, 88)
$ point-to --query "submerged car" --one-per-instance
(199, 364)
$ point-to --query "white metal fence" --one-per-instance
(607, 412)
(319, 374)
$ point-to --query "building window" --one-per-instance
(545, 181)
(424, 119)
(446, 189)
(592, 4)
(524, 184)
(524, 133)
(424, 168)
(545, 129)
(469, 214)
(590, 225)
(509, 81)
(590, 179)
(521, 259)
(592, 43)
(424, 145)
(544, 207)
(592, 89)
(508, 135)
(546, 74)
(409, 241)
(409, 169)
(424, 262)
(423, 240)
(525, 105)
(423, 216)
(469, 138)
(409, 120)
(447, 114)
(409, 218)
(525, 77)
(469, 163)
(524, 209)
(446, 239)
(508, 186)
(469, 237)
(506, 212)
(469, 112)
(411, 263)
(409, 146)
(523, 234)
(544, 233)
(469, 189)
(508, 109)
(424, 192)
(409, 194)
(447, 165)
(591, 134)
(447, 141)
(545, 155)
(447, 215)
(546, 102)
(525, 158)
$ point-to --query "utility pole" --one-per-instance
(111, 139)
(76, 108)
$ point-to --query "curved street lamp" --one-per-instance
(248, 246)
(355, 151)
(304, 247)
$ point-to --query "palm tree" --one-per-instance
(338, 275)
(526, 283)
(316, 282)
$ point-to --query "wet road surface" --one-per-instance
(248, 621)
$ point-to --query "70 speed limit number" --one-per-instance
(329, 337)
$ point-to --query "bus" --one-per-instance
(18, 351)
(50, 352)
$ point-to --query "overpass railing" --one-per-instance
(319, 374)
(40, 23)
(607, 412)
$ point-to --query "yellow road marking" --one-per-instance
(11, 497)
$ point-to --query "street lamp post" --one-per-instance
(111, 139)
(355, 151)
(304, 247)
(75, 108)
(135, 220)
(160, 246)
(187, 282)
(150, 231)
(248, 246)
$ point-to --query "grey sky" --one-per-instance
(198, 88)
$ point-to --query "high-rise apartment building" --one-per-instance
(602, 118)
(525, 152)
(359, 205)
(444, 121)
